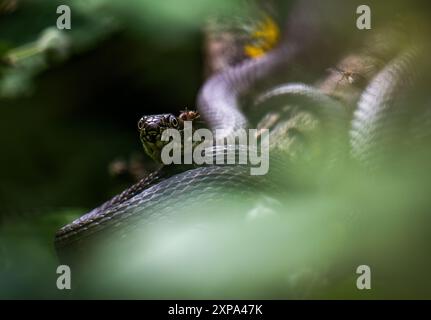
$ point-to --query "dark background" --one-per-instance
(59, 137)
(68, 112)
(64, 121)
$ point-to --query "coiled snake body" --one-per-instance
(220, 103)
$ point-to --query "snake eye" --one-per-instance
(174, 122)
(141, 123)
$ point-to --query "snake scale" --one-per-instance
(228, 101)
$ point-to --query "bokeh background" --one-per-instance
(69, 112)
(69, 104)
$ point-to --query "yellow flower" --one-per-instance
(264, 38)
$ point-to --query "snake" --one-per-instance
(381, 105)
(220, 104)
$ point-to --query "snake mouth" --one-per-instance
(151, 136)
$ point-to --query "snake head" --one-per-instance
(151, 129)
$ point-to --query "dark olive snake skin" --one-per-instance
(219, 102)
